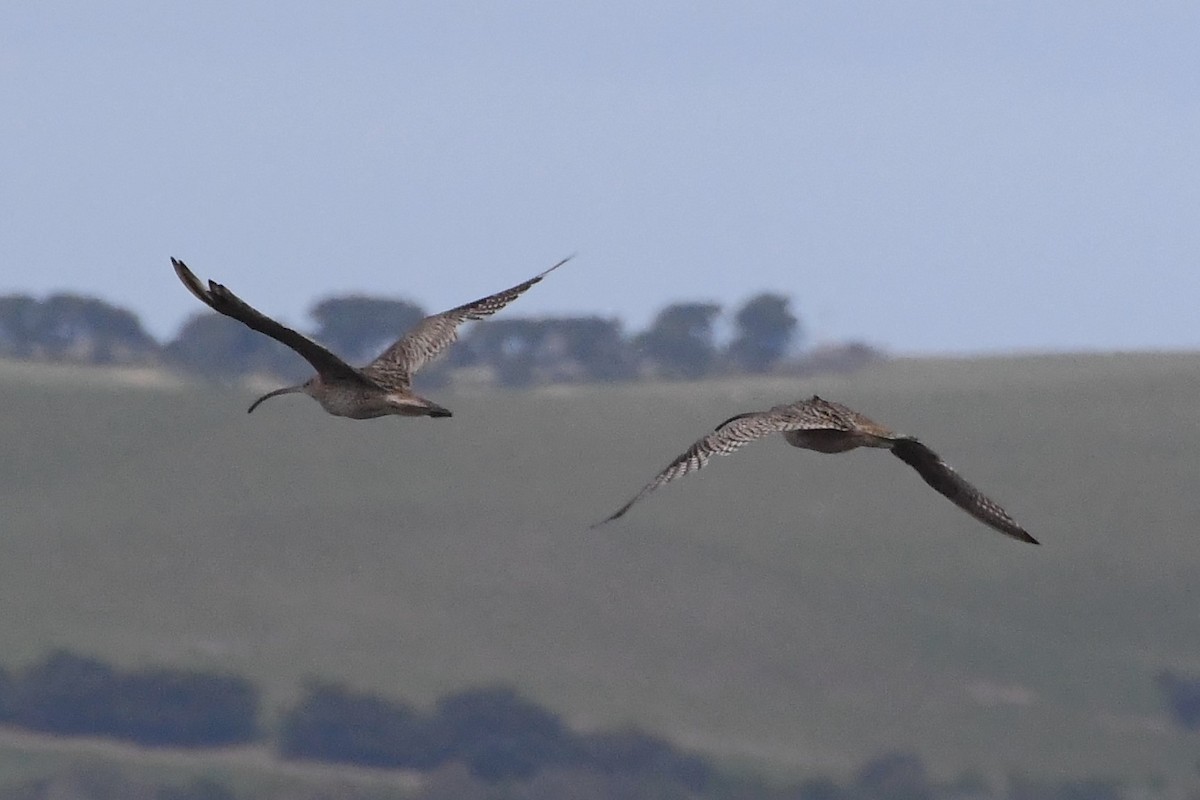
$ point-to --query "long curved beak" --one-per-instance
(269, 395)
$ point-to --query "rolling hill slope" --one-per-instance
(791, 609)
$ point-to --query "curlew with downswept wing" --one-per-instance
(828, 427)
(382, 387)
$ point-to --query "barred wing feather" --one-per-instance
(434, 334)
(938, 474)
(729, 437)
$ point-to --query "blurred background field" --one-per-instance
(781, 609)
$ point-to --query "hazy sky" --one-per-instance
(926, 176)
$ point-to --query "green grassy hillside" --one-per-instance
(797, 610)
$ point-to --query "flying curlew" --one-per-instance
(827, 427)
(380, 388)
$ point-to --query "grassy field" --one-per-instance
(785, 608)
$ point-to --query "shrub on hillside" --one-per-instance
(332, 723)
(494, 732)
(178, 708)
(64, 694)
(69, 694)
(1182, 696)
(500, 735)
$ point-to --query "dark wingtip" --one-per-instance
(556, 266)
(440, 412)
(606, 520)
(620, 512)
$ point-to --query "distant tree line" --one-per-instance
(681, 342)
(69, 327)
(71, 695)
(497, 734)
(486, 743)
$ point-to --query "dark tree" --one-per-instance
(509, 346)
(549, 350)
(19, 315)
(91, 330)
(72, 327)
(358, 328)
(589, 348)
(765, 331)
(1182, 696)
(331, 723)
(501, 735)
(180, 708)
(65, 694)
(220, 347)
(68, 694)
(680, 341)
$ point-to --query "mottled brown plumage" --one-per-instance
(381, 387)
(828, 427)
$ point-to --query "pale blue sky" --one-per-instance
(927, 176)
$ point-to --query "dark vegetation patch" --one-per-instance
(487, 743)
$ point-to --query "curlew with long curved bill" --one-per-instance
(380, 388)
(828, 427)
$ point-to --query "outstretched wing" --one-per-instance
(432, 335)
(940, 476)
(730, 436)
(223, 301)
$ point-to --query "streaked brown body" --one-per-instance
(344, 399)
(379, 389)
(857, 430)
(828, 427)
(833, 441)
